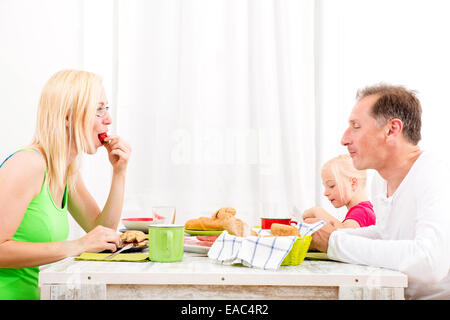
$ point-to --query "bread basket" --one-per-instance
(298, 251)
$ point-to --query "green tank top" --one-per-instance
(43, 221)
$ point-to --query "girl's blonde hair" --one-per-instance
(343, 170)
(65, 117)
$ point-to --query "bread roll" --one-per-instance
(224, 213)
(237, 227)
(204, 223)
(278, 229)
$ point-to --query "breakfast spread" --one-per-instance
(137, 238)
(222, 219)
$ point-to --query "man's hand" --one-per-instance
(320, 237)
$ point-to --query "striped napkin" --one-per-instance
(257, 251)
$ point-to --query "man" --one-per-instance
(412, 233)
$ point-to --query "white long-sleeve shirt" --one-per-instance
(412, 232)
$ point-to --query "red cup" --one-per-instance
(266, 223)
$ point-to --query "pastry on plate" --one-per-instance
(136, 237)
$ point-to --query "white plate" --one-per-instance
(195, 249)
(140, 224)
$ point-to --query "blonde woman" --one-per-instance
(344, 186)
(41, 183)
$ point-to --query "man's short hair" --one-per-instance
(396, 102)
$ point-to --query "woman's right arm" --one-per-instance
(21, 179)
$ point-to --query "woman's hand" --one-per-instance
(97, 240)
(118, 153)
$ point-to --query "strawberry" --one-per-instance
(102, 137)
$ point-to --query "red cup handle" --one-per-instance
(293, 222)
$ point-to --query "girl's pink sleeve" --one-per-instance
(361, 214)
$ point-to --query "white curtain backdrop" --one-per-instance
(225, 103)
(216, 98)
(364, 42)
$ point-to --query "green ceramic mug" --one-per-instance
(165, 242)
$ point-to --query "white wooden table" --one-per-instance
(202, 278)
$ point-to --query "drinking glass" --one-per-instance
(164, 214)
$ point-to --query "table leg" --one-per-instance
(370, 293)
(74, 292)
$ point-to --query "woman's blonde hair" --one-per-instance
(343, 170)
(65, 117)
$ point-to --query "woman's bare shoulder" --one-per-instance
(26, 167)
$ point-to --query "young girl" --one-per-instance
(344, 186)
(41, 184)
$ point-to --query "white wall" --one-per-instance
(36, 39)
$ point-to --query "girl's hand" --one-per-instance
(314, 212)
(318, 213)
(118, 153)
(97, 240)
(309, 213)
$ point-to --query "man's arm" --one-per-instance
(424, 257)
(320, 238)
